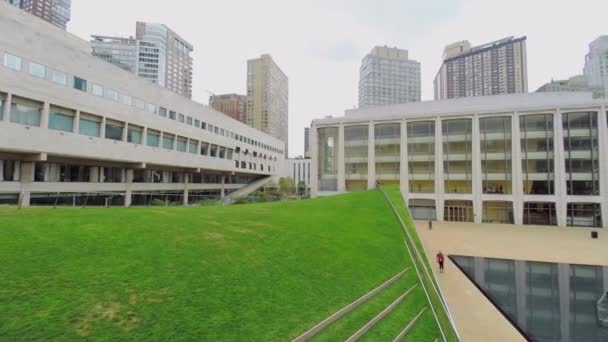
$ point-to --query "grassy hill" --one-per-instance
(260, 272)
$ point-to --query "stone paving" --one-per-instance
(476, 318)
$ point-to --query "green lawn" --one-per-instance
(264, 272)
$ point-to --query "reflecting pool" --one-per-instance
(545, 301)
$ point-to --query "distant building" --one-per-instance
(574, 83)
(156, 53)
(299, 170)
(596, 66)
(307, 142)
(56, 12)
(232, 105)
(495, 68)
(268, 98)
(388, 76)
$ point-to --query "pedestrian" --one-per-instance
(430, 224)
(440, 261)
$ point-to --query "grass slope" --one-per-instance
(253, 272)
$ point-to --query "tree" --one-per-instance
(302, 188)
(287, 186)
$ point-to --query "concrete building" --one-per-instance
(498, 67)
(596, 66)
(268, 98)
(307, 142)
(574, 83)
(56, 12)
(299, 169)
(232, 105)
(517, 158)
(73, 125)
(388, 76)
(156, 53)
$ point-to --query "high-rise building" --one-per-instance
(307, 142)
(156, 53)
(232, 105)
(498, 67)
(388, 76)
(596, 66)
(268, 97)
(574, 83)
(56, 12)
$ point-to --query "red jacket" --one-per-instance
(439, 257)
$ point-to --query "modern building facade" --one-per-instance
(517, 158)
(56, 12)
(307, 142)
(388, 76)
(494, 68)
(232, 105)
(156, 53)
(74, 126)
(299, 169)
(268, 98)
(574, 83)
(596, 66)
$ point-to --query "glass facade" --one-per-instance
(421, 156)
(457, 155)
(458, 211)
(537, 159)
(542, 301)
(498, 212)
(134, 134)
(114, 130)
(25, 112)
(581, 154)
(495, 147)
(168, 140)
(422, 209)
(584, 215)
(89, 125)
(356, 139)
(388, 147)
(153, 138)
(540, 213)
(61, 119)
(327, 138)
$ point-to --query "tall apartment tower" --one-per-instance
(388, 76)
(156, 53)
(232, 105)
(56, 12)
(307, 142)
(596, 66)
(498, 67)
(268, 98)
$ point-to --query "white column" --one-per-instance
(186, 180)
(371, 157)
(125, 130)
(76, 123)
(516, 171)
(102, 132)
(314, 153)
(439, 175)
(603, 160)
(129, 184)
(17, 171)
(341, 176)
(6, 111)
(1, 170)
(561, 204)
(404, 183)
(44, 115)
(27, 177)
(94, 174)
(476, 171)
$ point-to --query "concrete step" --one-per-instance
(409, 326)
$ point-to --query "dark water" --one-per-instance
(546, 301)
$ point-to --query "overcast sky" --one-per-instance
(319, 44)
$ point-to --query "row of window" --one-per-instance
(38, 70)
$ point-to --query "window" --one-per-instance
(59, 77)
(12, 62)
(229, 153)
(203, 125)
(162, 112)
(193, 146)
(112, 95)
(61, 119)
(180, 117)
(126, 99)
(189, 121)
(97, 90)
(89, 125)
(2, 100)
(37, 70)
(139, 104)
(80, 84)
(182, 144)
(172, 115)
(204, 148)
(153, 138)
(151, 108)
(584, 215)
(25, 112)
(114, 130)
(216, 130)
(222, 152)
(213, 151)
(197, 123)
(134, 134)
(168, 141)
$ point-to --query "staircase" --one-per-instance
(247, 189)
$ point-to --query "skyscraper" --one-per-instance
(268, 97)
(232, 105)
(498, 67)
(56, 12)
(307, 142)
(156, 53)
(596, 66)
(388, 76)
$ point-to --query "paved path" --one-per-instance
(476, 318)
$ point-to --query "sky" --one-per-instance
(319, 44)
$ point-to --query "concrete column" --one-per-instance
(516, 171)
(476, 171)
(561, 204)
(186, 179)
(222, 190)
(129, 184)
(102, 132)
(44, 115)
(314, 154)
(94, 174)
(341, 171)
(144, 137)
(439, 175)
(6, 110)
(1, 170)
(17, 171)
(371, 157)
(26, 177)
(603, 160)
(125, 131)
(404, 184)
(76, 123)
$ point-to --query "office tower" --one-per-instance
(498, 67)
(267, 97)
(232, 105)
(596, 66)
(307, 142)
(156, 53)
(56, 12)
(388, 76)
(574, 83)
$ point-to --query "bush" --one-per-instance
(241, 200)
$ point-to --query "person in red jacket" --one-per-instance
(440, 261)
